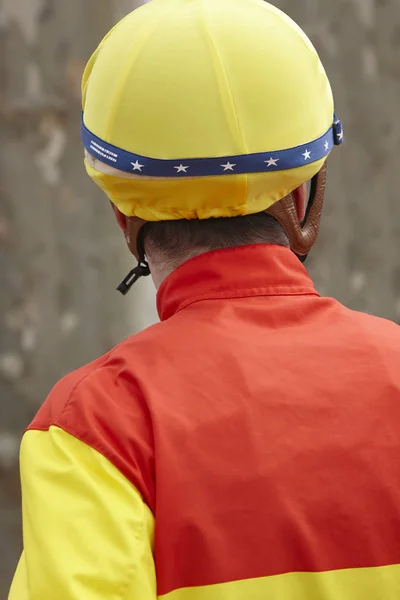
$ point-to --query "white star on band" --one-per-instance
(137, 166)
(327, 146)
(307, 155)
(228, 166)
(272, 162)
(181, 169)
(340, 135)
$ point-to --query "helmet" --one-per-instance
(206, 108)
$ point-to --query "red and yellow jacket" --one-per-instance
(246, 447)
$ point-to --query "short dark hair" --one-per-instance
(177, 239)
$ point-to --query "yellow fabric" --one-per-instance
(352, 584)
(202, 198)
(87, 533)
(201, 79)
(88, 536)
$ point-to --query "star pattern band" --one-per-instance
(279, 160)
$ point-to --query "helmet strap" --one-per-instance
(136, 245)
(302, 236)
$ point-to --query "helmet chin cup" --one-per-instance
(302, 236)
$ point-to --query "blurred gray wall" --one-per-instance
(357, 258)
(61, 255)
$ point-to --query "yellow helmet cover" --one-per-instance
(207, 108)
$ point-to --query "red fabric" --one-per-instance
(260, 422)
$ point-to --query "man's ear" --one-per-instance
(130, 227)
(301, 198)
(121, 218)
(134, 225)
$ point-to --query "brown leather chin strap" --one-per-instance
(302, 236)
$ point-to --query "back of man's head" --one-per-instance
(170, 243)
(226, 115)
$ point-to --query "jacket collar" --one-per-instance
(257, 270)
